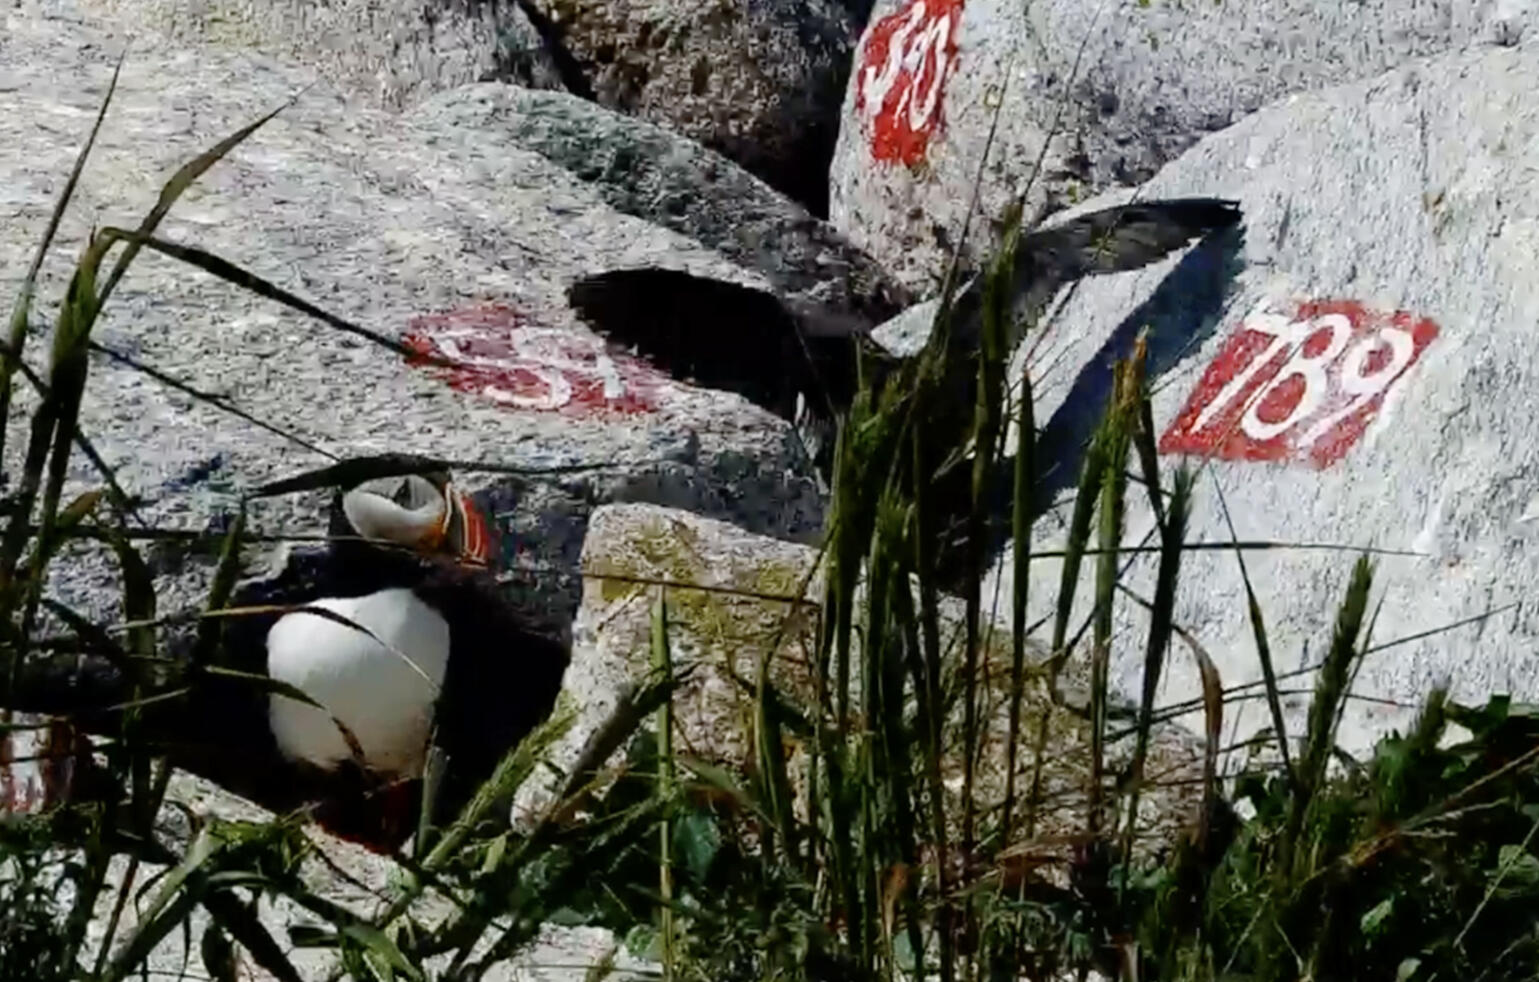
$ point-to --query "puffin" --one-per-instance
(442, 660)
(804, 361)
(401, 642)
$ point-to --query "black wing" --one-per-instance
(1124, 237)
(1111, 240)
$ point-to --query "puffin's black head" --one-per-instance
(402, 522)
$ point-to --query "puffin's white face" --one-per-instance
(416, 513)
(408, 511)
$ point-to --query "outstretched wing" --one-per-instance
(1123, 237)
(1111, 240)
(708, 332)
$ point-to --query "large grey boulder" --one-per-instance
(733, 596)
(439, 229)
(384, 54)
(761, 82)
(1395, 219)
(1096, 94)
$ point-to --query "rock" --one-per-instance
(349, 876)
(759, 82)
(432, 229)
(1397, 219)
(1111, 90)
(385, 55)
(649, 173)
(737, 594)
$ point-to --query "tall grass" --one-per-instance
(917, 847)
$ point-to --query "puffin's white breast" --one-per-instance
(383, 700)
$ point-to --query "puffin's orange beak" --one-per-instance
(437, 519)
(466, 529)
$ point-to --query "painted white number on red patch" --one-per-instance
(1302, 386)
(503, 356)
(904, 66)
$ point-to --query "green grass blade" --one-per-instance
(20, 313)
(1114, 438)
(1021, 518)
(226, 270)
(1330, 690)
(662, 663)
(1162, 620)
(172, 904)
(225, 575)
(1263, 647)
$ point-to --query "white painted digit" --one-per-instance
(933, 38)
(1309, 367)
(558, 391)
(1262, 322)
(1364, 388)
(545, 353)
(875, 85)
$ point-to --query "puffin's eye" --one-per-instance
(402, 494)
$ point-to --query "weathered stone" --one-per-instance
(760, 82)
(1397, 217)
(1095, 94)
(387, 55)
(649, 173)
(735, 594)
(428, 229)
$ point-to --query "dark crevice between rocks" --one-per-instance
(568, 68)
(805, 181)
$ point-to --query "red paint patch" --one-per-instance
(1300, 388)
(37, 763)
(904, 66)
(500, 355)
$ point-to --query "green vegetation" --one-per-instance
(914, 848)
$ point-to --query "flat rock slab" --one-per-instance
(1352, 370)
(736, 593)
(1095, 94)
(449, 238)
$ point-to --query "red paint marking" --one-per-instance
(1304, 387)
(476, 545)
(37, 764)
(904, 65)
(501, 355)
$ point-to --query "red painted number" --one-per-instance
(501, 356)
(1299, 388)
(904, 66)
